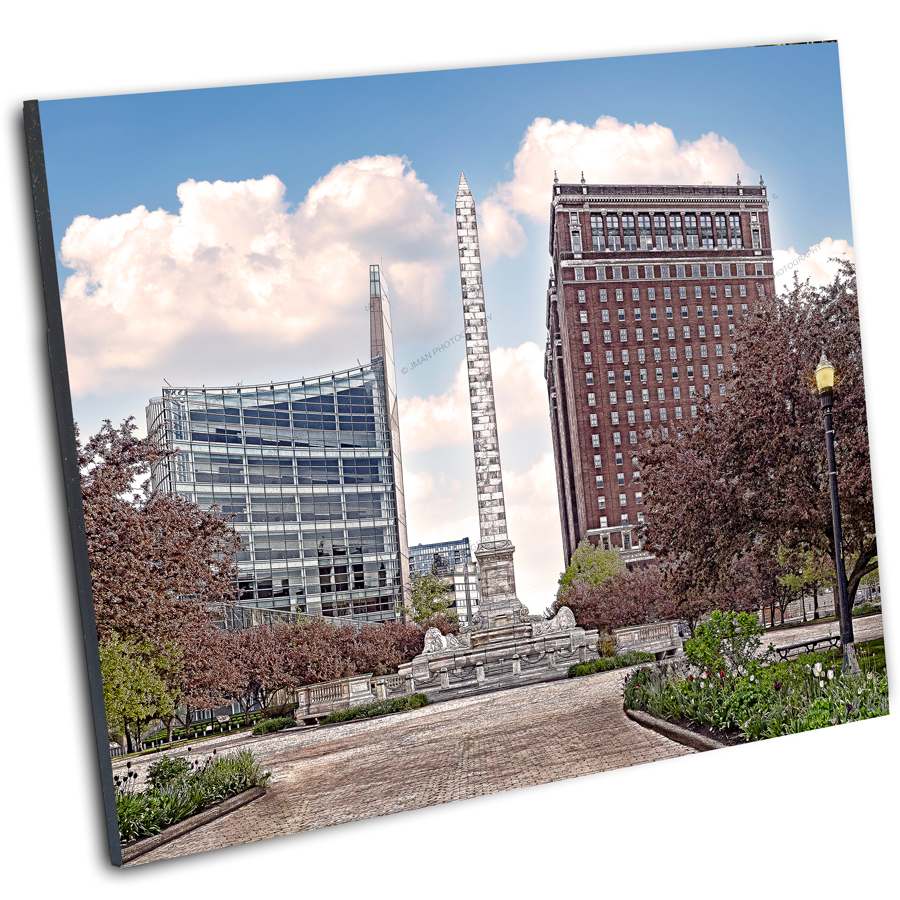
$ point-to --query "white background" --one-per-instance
(804, 815)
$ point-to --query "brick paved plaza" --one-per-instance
(449, 751)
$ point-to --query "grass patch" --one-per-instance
(383, 707)
(179, 789)
(866, 609)
(606, 663)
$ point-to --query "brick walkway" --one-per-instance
(448, 751)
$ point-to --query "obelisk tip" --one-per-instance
(463, 184)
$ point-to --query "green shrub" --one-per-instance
(383, 707)
(866, 609)
(179, 789)
(606, 663)
(728, 642)
(269, 725)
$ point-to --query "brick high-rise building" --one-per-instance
(648, 282)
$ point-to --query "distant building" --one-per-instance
(453, 561)
(648, 282)
(310, 472)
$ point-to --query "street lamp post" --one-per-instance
(825, 385)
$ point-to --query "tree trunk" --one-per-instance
(815, 603)
(128, 744)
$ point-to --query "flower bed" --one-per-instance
(179, 788)
(754, 701)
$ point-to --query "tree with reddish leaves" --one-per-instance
(264, 664)
(624, 598)
(157, 561)
(752, 475)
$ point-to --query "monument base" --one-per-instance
(524, 650)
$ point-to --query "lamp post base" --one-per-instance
(849, 666)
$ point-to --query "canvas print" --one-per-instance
(437, 434)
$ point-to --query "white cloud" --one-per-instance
(608, 152)
(236, 281)
(817, 263)
(519, 391)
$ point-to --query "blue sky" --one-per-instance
(778, 109)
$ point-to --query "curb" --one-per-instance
(131, 852)
(673, 732)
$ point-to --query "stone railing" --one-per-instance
(315, 701)
(661, 637)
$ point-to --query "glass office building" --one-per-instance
(306, 470)
(440, 558)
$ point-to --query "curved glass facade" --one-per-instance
(305, 470)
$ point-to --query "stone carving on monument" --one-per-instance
(504, 645)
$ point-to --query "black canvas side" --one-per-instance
(59, 375)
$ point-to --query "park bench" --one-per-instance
(809, 646)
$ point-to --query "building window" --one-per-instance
(667, 293)
(711, 271)
(686, 331)
(680, 271)
(621, 313)
(661, 394)
(646, 415)
(587, 358)
(729, 310)
(603, 295)
(744, 307)
(742, 290)
(720, 370)
(715, 310)
(642, 355)
(695, 271)
(617, 271)
(718, 349)
(705, 371)
(648, 272)
(692, 392)
(629, 396)
(618, 459)
(595, 440)
(582, 315)
(607, 336)
(601, 504)
(631, 417)
(673, 353)
(632, 271)
(626, 538)
(654, 333)
(586, 337)
(601, 272)
(740, 270)
(663, 271)
(684, 312)
(698, 293)
(693, 412)
(579, 274)
(662, 418)
(675, 373)
(639, 334)
(599, 482)
(609, 357)
(701, 332)
(589, 376)
(632, 437)
(712, 291)
(623, 335)
(651, 293)
(645, 395)
(726, 270)
(638, 497)
(676, 393)
(593, 420)
(597, 461)
(592, 399)
(717, 331)
(620, 295)
(617, 438)
(759, 270)
(700, 313)
(623, 500)
(612, 397)
(614, 418)
(581, 297)
(690, 372)
(635, 294)
(688, 352)
(682, 292)
(625, 359)
(659, 374)
(604, 315)
(677, 412)
(705, 390)
(671, 332)
(668, 312)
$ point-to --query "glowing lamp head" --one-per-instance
(825, 376)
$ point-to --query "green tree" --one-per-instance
(431, 598)
(134, 684)
(592, 564)
(808, 571)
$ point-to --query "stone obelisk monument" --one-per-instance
(499, 606)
